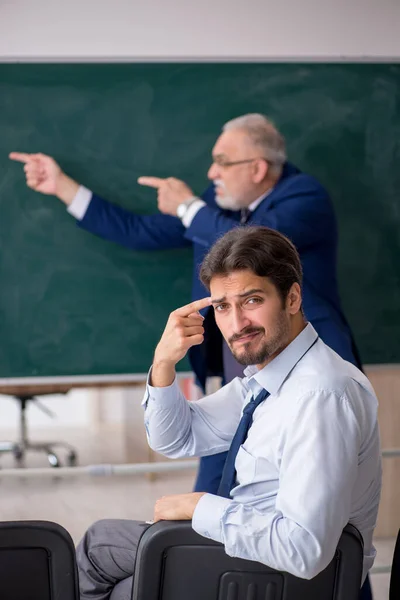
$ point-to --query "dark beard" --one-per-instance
(278, 339)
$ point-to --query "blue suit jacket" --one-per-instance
(298, 206)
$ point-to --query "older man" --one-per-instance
(253, 183)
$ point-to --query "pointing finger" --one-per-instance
(154, 182)
(20, 156)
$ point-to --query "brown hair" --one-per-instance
(264, 251)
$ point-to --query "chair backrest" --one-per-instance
(394, 593)
(37, 562)
(175, 563)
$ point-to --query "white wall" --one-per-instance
(206, 28)
(73, 409)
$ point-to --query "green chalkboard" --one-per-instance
(73, 304)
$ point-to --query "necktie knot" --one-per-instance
(254, 402)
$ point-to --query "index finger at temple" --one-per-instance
(187, 310)
(154, 182)
(196, 315)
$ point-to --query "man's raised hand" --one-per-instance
(44, 175)
(184, 329)
(170, 192)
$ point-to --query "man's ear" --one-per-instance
(260, 170)
(294, 299)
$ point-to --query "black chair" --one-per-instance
(37, 562)
(394, 593)
(175, 563)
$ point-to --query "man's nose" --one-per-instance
(239, 320)
(212, 171)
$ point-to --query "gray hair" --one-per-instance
(262, 133)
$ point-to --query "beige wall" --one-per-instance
(386, 382)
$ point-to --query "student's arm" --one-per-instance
(174, 426)
(178, 428)
(102, 218)
(303, 213)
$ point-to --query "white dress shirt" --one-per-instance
(311, 462)
(80, 203)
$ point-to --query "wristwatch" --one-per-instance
(182, 208)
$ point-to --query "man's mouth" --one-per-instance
(248, 337)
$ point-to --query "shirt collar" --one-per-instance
(252, 207)
(274, 373)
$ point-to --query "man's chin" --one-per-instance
(244, 358)
(251, 356)
(226, 202)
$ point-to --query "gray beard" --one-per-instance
(227, 203)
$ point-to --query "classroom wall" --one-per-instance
(206, 29)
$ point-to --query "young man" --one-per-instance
(301, 426)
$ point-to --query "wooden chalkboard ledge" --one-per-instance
(40, 386)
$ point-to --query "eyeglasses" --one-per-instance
(221, 162)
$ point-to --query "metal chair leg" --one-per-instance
(20, 448)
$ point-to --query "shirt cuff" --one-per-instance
(208, 514)
(161, 395)
(192, 211)
(80, 203)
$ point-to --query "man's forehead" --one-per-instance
(230, 142)
(238, 283)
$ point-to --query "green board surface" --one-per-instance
(73, 304)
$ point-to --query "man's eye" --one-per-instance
(254, 300)
(220, 307)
